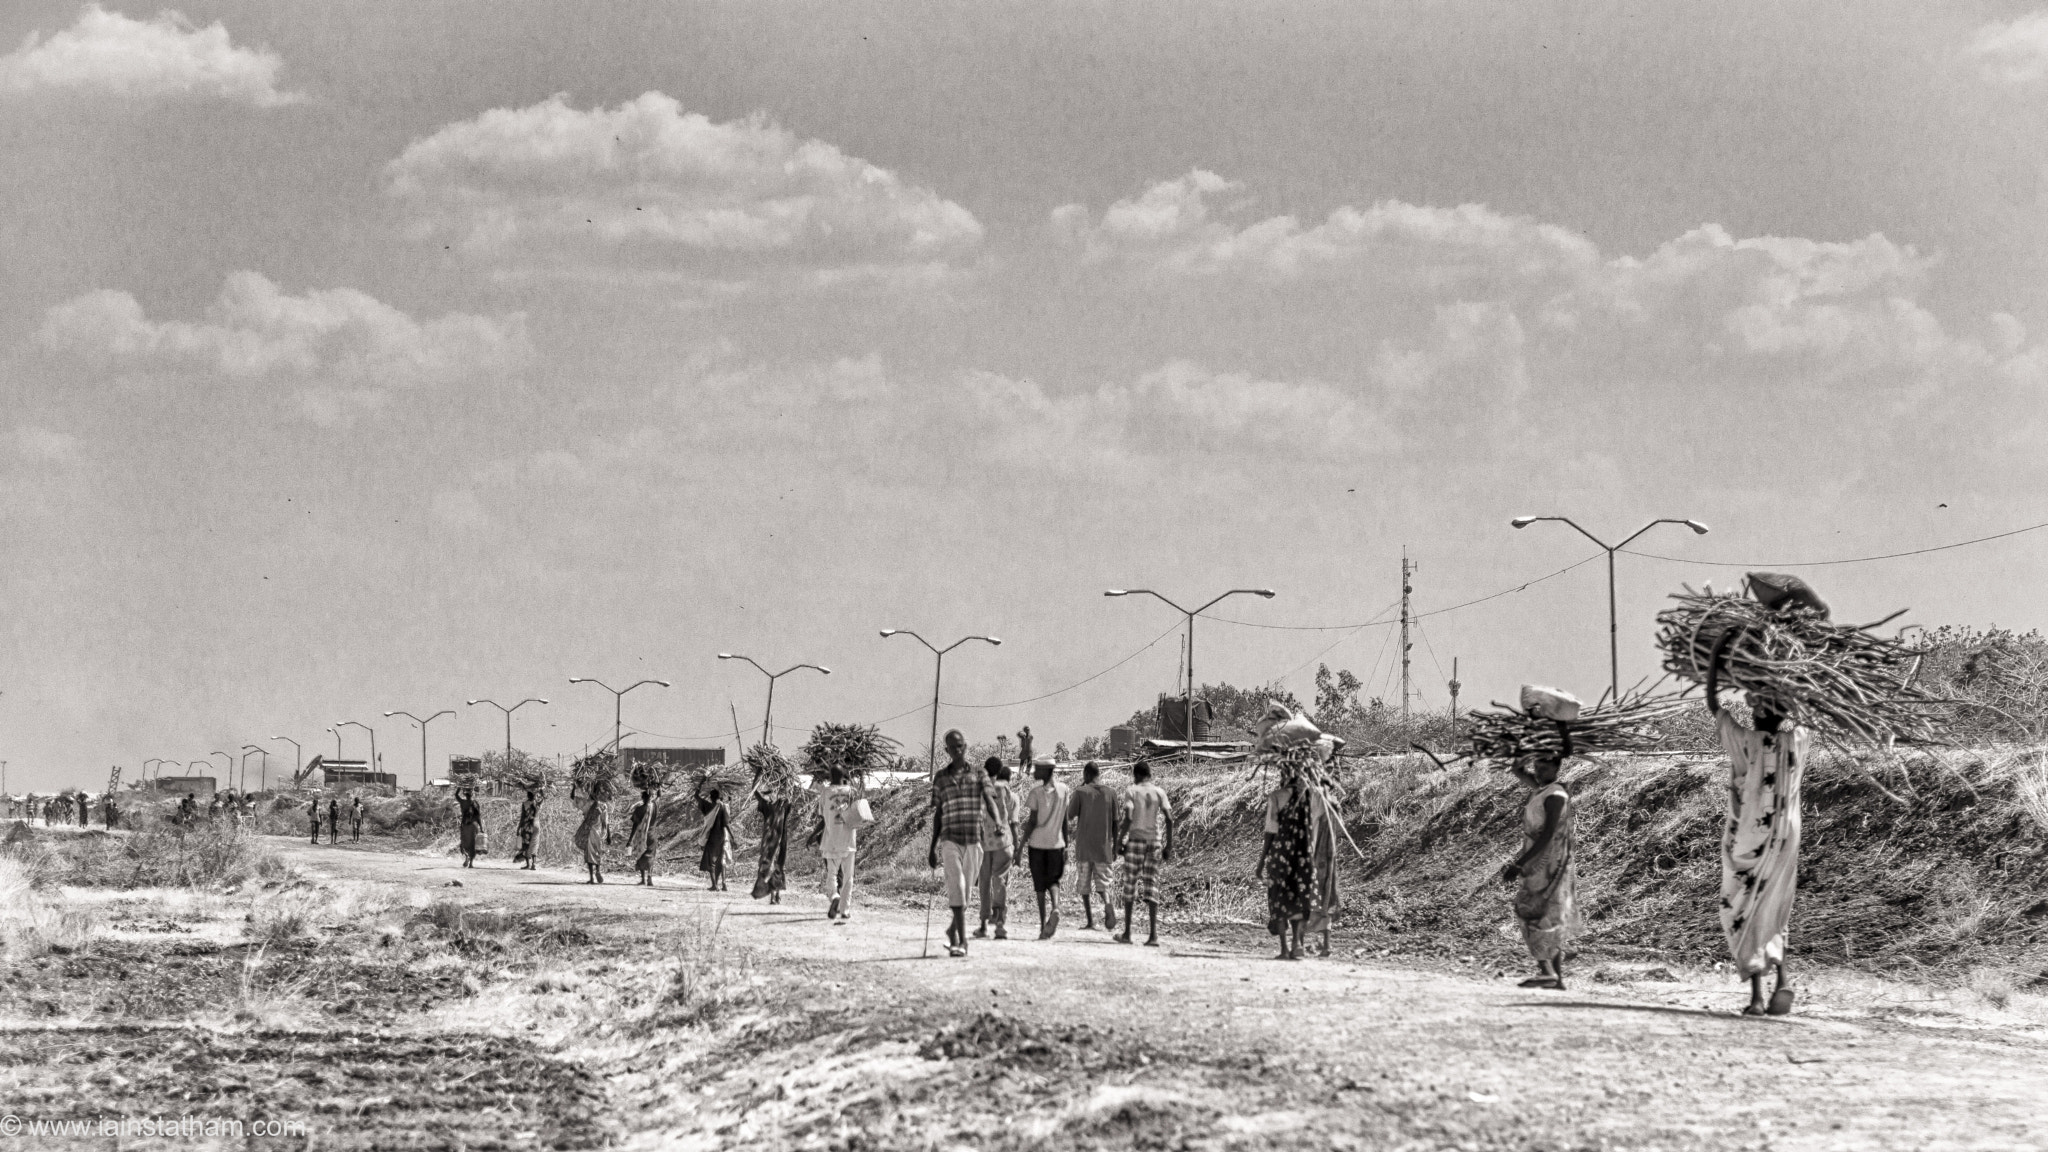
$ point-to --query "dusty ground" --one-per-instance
(556, 1014)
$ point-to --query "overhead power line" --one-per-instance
(1829, 563)
(1069, 688)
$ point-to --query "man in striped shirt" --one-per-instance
(960, 799)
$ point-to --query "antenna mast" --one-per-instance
(1406, 588)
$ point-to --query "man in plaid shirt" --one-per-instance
(960, 797)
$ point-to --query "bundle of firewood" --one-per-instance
(595, 776)
(1507, 734)
(775, 775)
(855, 749)
(1842, 679)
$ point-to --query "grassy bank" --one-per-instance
(1934, 869)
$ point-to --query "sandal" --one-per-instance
(1781, 1003)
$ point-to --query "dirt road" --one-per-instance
(1235, 1049)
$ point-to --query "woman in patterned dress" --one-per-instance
(1546, 873)
(1287, 861)
(1760, 841)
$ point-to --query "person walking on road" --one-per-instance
(717, 852)
(838, 830)
(334, 821)
(1148, 842)
(313, 810)
(993, 883)
(769, 877)
(640, 840)
(1045, 845)
(1092, 810)
(529, 830)
(1287, 860)
(591, 836)
(470, 817)
(1546, 899)
(355, 819)
(107, 811)
(1760, 841)
(960, 802)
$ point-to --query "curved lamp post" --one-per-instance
(231, 766)
(1264, 593)
(423, 736)
(768, 716)
(375, 764)
(508, 720)
(1613, 624)
(938, 671)
(263, 767)
(618, 694)
(298, 757)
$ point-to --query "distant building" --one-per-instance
(671, 760)
(1123, 742)
(354, 774)
(200, 786)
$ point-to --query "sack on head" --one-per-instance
(1549, 703)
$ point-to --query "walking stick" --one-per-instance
(927, 953)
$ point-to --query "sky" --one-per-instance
(384, 356)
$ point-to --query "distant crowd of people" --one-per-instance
(73, 809)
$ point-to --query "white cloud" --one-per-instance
(34, 442)
(646, 188)
(342, 348)
(2012, 51)
(144, 59)
(1170, 231)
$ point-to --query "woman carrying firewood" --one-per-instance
(712, 861)
(471, 823)
(768, 875)
(529, 829)
(640, 841)
(1760, 842)
(1287, 861)
(591, 836)
(1546, 898)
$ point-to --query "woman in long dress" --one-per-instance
(1287, 861)
(472, 821)
(591, 836)
(529, 829)
(1325, 900)
(716, 853)
(774, 813)
(640, 841)
(1760, 841)
(1546, 873)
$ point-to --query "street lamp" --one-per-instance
(508, 721)
(1265, 593)
(231, 766)
(249, 750)
(937, 671)
(618, 694)
(263, 771)
(375, 765)
(767, 716)
(145, 766)
(298, 757)
(1613, 623)
(423, 736)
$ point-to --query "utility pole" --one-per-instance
(1454, 687)
(1406, 588)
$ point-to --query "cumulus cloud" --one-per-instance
(2012, 51)
(1170, 231)
(33, 442)
(167, 57)
(647, 187)
(342, 348)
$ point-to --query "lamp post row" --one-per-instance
(938, 671)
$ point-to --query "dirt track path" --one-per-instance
(1458, 1061)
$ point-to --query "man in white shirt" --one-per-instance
(839, 825)
(1045, 845)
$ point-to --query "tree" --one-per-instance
(1059, 752)
(1336, 697)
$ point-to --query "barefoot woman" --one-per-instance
(1760, 841)
(1546, 901)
